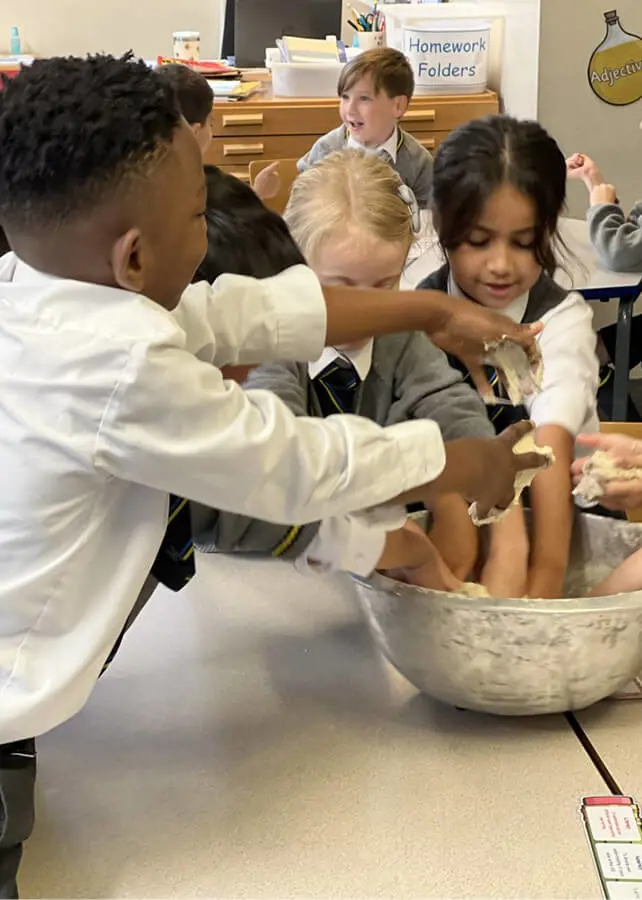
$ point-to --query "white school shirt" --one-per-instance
(353, 542)
(390, 146)
(571, 369)
(108, 403)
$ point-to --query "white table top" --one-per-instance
(615, 729)
(582, 269)
(250, 742)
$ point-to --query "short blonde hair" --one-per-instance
(347, 189)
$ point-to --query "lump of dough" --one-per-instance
(471, 589)
(522, 479)
(521, 376)
(599, 470)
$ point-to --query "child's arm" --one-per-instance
(552, 505)
(505, 572)
(426, 386)
(581, 167)
(454, 535)
(244, 320)
(616, 237)
(565, 403)
(627, 577)
(410, 556)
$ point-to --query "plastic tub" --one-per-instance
(448, 51)
(312, 79)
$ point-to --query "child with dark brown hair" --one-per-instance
(375, 90)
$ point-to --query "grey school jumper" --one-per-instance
(409, 379)
(617, 238)
(413, 163)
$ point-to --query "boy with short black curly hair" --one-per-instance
(112, 397)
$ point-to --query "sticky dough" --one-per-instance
(472, 589)
(522, 479)
(599, 470)
(520, 376)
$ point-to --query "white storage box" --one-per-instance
(448, 50)
(310, 79)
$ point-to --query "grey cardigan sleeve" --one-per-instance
(428, 387)
(217, 531)
(316, 153)
(422, 182)
(616, 238)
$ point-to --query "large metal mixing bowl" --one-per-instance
(518, 657)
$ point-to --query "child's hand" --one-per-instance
(603, 193)
(467, 329)
(424, 566)
(267, 183)
(626, 453)
(582, 168)
(485, 470)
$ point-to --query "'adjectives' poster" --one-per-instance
(615, 67)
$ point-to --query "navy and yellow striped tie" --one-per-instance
(336, 387)
(174, 564)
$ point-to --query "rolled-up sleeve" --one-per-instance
(174, 424)
(351, 543)
(571, 368)
(241, 320)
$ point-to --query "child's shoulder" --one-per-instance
(413, 148)
(332, 140)
(436, 281)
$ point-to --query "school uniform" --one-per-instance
(411, 161)
(108, 403)
(617, 238)
(390, 380)
(567, 344)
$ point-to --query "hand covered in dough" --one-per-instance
(613, 474)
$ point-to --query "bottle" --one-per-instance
(15, 48)
(615, 68)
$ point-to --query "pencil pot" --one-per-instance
(370, 40)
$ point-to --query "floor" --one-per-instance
(250, 741)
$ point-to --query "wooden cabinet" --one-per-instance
(267, 127)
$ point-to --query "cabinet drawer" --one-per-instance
(445, 115)
(237, 151)
(276, 119)
(430, 139)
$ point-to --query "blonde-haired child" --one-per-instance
(354, 220)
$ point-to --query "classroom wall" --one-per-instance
(569, 32)
(53, 27)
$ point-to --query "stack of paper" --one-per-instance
(233, 90)
(297, 49)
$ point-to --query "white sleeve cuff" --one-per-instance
(351, 543)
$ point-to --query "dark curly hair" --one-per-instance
(71, 129)
(479, 157)
(243, 236)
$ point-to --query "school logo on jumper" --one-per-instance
(615, 68)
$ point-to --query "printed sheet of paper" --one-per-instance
(613, 828)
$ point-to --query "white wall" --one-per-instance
(53, 27)
(570, 31)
